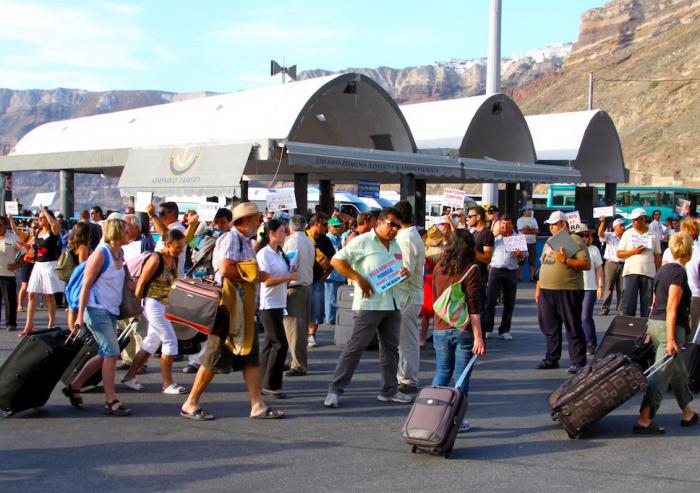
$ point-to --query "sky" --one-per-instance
(227, 45)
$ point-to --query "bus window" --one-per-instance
(643, 198)
(623, 198)
(435, 209)
(665, 199)
(562, 197)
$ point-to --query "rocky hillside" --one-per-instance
(646, 63)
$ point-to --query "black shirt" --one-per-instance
(671, 274)
(95, 235)
(46, 248)
(325, 245)
(483, 238)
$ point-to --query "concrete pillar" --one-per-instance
(585, 199)
(244, 190)
(610, 193)
(301, 188)
(511, 202)
(419, 209)
(325, 196)
(66, 190)
(408, 188)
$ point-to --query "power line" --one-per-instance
(647, 80)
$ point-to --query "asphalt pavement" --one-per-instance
(513, 445)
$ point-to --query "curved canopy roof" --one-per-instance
(346, 110)
(481, 127)
(587, 139)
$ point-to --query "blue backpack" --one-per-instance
(75, 283)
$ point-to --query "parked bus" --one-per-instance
(650, 199)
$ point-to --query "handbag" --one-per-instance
(194, 302)
(451, 305)
(130, 306)
(66, 265)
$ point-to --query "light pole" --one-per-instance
(489, 191)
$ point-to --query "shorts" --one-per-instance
(318, 307)
(218, 358)
(103, 326)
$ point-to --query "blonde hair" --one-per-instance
(114, 230)
(681, 246)
(690, 226)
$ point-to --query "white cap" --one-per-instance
(115, 215)
(618, 221)
(556, 217)
(637, 213)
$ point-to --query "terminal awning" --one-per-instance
(204, 170)
(484, 170)
(363, 163)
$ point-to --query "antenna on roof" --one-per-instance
(276, 68)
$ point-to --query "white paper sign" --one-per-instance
(12, 208)
(142, 200)
(683, 207)
(281, 201)
(207, 210)
(451, 197)
(574, 220)
(644, 241)
(45, 199)
(604, 211)
(438, 220)
(515, 243)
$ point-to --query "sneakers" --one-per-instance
(331, 400)
(574, 369)
(190, 369)
(174, 389)
(399, 397)
(295, 372)
(464, 427)
(487, 335)
(312, 341)
(133, 384)
(506, 336)
(547, 365)
(590, 349)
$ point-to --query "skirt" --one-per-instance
(44, 280)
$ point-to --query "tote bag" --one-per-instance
(451, 305)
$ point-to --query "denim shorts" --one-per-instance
(317, 302)
(103, 326)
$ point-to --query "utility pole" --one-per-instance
(276, 68)
(489, 191)
(590, 91)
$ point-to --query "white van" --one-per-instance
(346, 202)
(433, 207)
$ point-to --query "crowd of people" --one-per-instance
(287, 270)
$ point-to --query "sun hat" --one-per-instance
(245, 209)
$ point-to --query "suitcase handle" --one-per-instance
(660, 365)
(464, 374)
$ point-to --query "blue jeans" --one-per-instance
(453, 349)
(317, 289)
(103, 326)
(331, 299)
(589, 298)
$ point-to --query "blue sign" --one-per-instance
(368, 189)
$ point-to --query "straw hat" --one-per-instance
(434, 237)
(245, 209)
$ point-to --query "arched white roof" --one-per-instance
(482, 127)
(287, 111)
(587, 139)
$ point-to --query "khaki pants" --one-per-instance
(296, 324)
(135, 341)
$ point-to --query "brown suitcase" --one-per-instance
(194, 302)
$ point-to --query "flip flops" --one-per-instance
(650, 429)
(268, 413)
(691, 422)
(198, 415)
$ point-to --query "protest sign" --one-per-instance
(645, 241)
(142, 201)
(207, 210)
(283, 200)
(451, 197)
(683, 207)
(604, 211)
(515, 243)
(386, 275)
(563, 240)
(44, 199)
(574, 220)
(438, 220)
(12, 208)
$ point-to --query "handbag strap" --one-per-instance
(466, 274)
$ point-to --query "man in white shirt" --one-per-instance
(410, 295)
(8, 284)
(527, 226)
(502, 276)
(167, 219)
(613, 264)
(301, 253)
(655, 226)
(641, 251)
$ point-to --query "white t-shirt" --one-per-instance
(8, 253)
(527, 222)
(612, 242)
(181, 259)
(273, 264)
(643, 263)
(590, 279)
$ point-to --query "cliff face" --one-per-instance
(646, 64)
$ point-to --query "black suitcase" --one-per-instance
(88, 351)
(597, 390)
(625, 335)
(691, 358)
(31, 372)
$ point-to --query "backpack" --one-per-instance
(451, 306)
(75, 283)
(66, 265)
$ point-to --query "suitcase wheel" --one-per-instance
(575, 436)
(7, 413)
(414, 449)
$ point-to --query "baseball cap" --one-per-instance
(618, 221)
(525, 208)
(492, 209)
(115, 215)
(334, 221)
(556, 217)
(637, 213)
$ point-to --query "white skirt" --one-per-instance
(44, 280)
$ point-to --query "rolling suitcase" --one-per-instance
(89, 350)
(31, 372)
(691, 358)
(625, 335)
(194, 303)
(597, 390)
(435, 418)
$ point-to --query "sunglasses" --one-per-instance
(392, 224)
(472, 215)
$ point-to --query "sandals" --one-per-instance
(26, 332)
(268, 413)
(118, 411)
(73, 396)
(198, 415)
(650, 429)
(691, 422)
(174, 389)
(275, 394)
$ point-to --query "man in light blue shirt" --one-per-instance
(334, 279)
(503, 274)
(363, 261)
